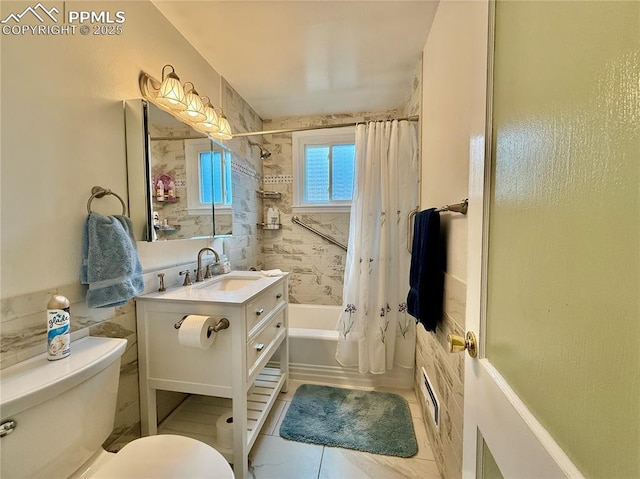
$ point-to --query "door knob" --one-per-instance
(458, 344)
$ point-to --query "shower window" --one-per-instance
(324, 162)
(209, 177)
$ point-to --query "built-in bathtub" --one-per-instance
(312, 350)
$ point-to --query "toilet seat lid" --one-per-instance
(166, 456)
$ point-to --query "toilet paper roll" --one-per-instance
(194, 332)
(224, 427)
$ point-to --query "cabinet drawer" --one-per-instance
(264, 338)
(263, 304)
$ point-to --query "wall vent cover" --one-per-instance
(430, 398)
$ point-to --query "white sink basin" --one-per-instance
(228, 283)
(236, 287)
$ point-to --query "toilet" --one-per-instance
(55, 415)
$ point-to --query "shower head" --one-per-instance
(264, 153)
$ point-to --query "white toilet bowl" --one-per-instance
(163, 456)
(62, 411)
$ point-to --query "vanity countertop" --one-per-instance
(236, 287)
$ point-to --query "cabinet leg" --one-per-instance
(284, 361)
(148, 412)
(240, 449)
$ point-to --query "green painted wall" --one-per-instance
(564, 251)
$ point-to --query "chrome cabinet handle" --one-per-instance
(259, 346)
(259, 312)
(7, 427)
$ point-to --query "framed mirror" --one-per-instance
(179, 180)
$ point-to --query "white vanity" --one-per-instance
(234, 366)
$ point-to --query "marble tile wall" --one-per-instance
(244, 247)
(316, 266)
(413, 99)
(446, 372)
(23, 324)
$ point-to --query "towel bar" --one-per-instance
(412, 213)
(99, 192)
(461, 207)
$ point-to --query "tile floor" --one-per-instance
(275, 457)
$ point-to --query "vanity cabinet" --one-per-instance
(238, 365)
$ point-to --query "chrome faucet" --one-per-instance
(199, 275)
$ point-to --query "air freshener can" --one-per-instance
(58, 328)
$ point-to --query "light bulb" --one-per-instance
(211, 123)
(194, 111)
(225, 128)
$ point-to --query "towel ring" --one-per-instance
(99, 192)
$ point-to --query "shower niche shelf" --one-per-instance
(269, 195)
(269, 226)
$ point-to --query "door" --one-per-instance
(554, 246)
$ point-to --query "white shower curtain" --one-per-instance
(376, 331)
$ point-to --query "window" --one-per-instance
(324, 169)
(208, 176)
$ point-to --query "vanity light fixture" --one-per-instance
(171, 93)
(188, 107)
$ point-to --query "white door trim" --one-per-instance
(496, 400)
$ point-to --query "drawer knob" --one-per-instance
(259, 312)
(259, 346)
(278, 325)
(279, 295)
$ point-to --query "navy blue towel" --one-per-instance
(426, 278)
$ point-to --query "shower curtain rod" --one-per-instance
(321, 127)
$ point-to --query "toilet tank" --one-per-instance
(63, 409)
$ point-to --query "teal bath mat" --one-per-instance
(367, 421)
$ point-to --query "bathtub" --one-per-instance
(312, 350)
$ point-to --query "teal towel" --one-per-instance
(110, 263)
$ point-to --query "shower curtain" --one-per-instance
(376, 331)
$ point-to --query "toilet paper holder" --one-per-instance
(223, 323)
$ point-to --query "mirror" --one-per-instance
(179, 179)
